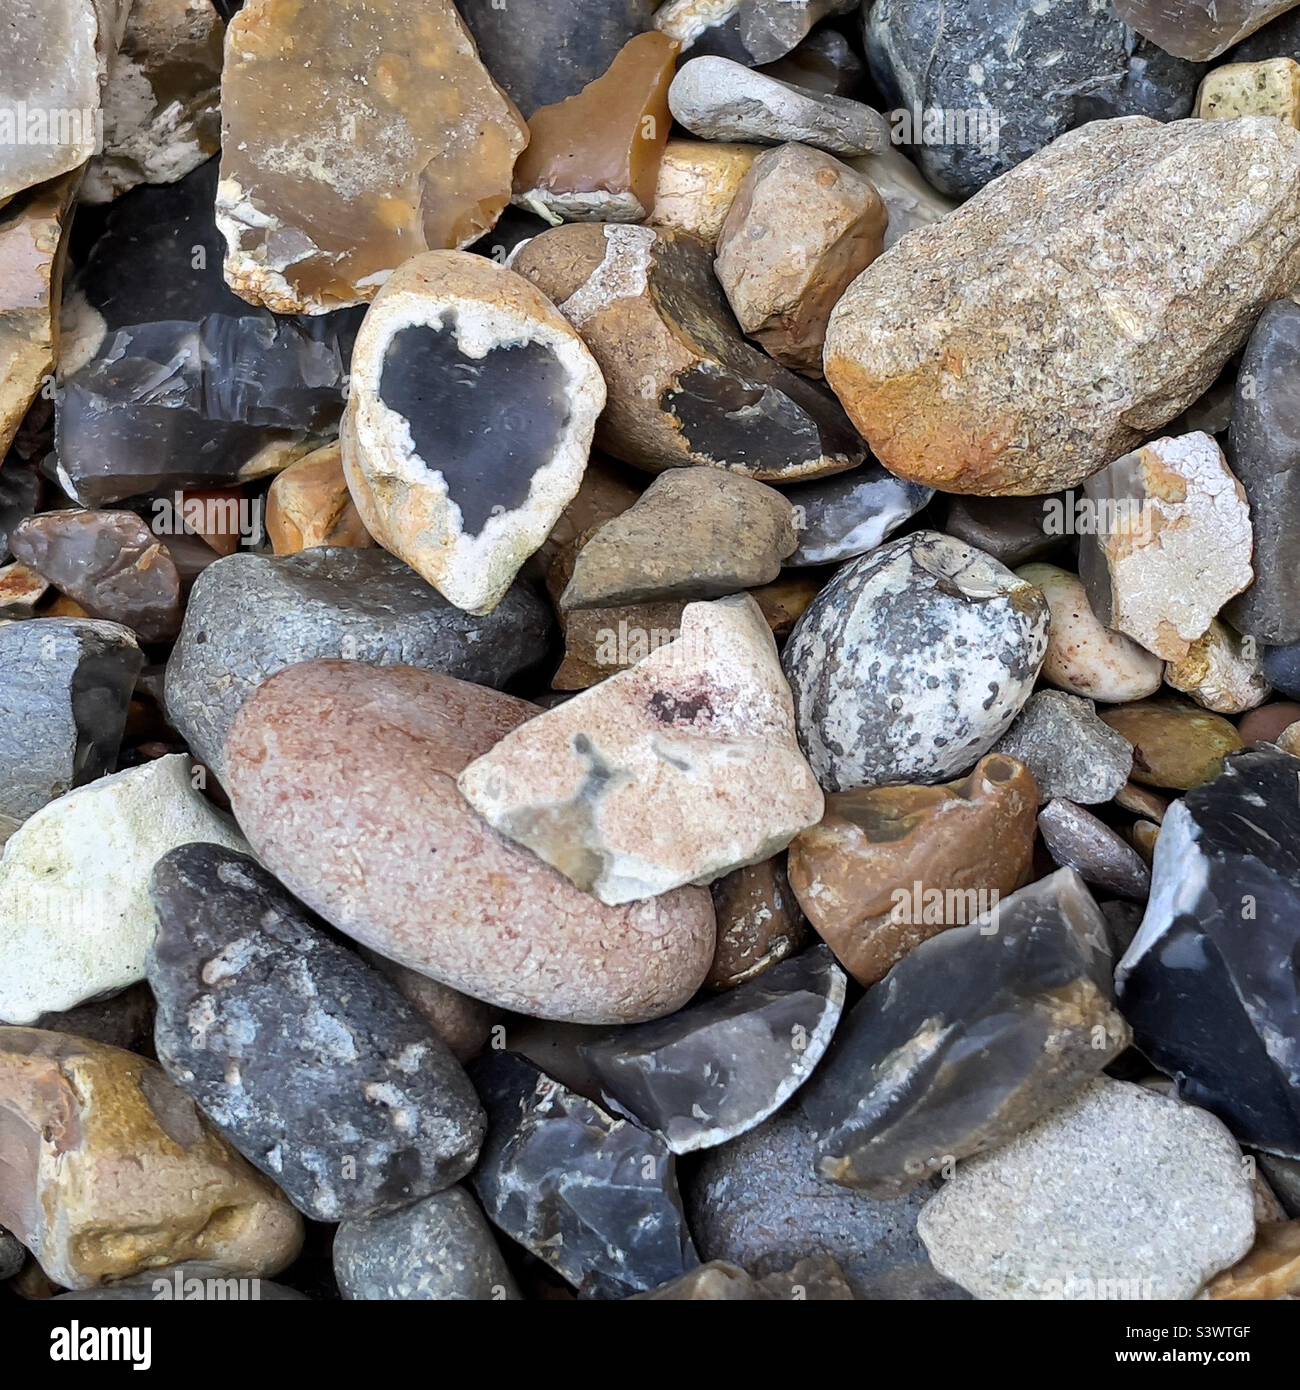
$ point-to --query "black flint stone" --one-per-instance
(593, 1196)
(187, 381)
(306, 1058)
(717, 1068)
(968, 1040)
(486, 424)
(1210, 982)
(63, 704)
(19, 491)
(1281, 667)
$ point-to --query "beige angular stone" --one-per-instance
(802, 227)
(1174, 544)
(595, 157)
(1222, 671)
(675, 772)
(880, 854)
(33, 252)
(162, 115)
(698, 182)
(1199, 29)
(759, 923)
(1289, 739)
(696, 533)
(1270, 1270)
(1269, 88)
(355, 135)
(108, 1170)
(1057, 358)
(469, 422)
(309, 505)
(1084, 656)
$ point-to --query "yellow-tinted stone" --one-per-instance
(1175, 745)
(1270, 88)
(309, 505)
(1270, 1270)
(356, 134)
(698, 182)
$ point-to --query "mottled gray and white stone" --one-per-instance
(718, 99)
(1069, 750)
(1121, 1194)
(845, 516)
(305, 1058)
(912, 663)
(1078, 840)
(1017, 75)
(250, 616)
(439, 1249)
(64, 695)
(717, 1068)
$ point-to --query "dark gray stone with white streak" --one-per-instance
(845, 516)
(250, 616)
(308, 1061)
(1032, 71)
(440, 1249)
(715, 1069)
(912, 662)
(593, 1196)
(1209, 982)
(66, 687)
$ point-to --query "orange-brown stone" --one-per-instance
(309, 505)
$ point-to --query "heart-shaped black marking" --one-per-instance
(487, 424)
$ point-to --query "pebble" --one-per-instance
(1271, 1269)
(909, 200)
(890, 867)
(20, 490)
(1011, 529)
(1084, 657)
(63, 708)
(250, 616)
(1141, 801)
(1175, 547)
(1222, 671)
(684, 386)
(304, 1057)
(723, 1065)
(845, 516)
(698, 182)
(750, 31)
(1122, 1194)
(308, 505)
(439, 1249)
(468, 424)
(718, 99)
(1078, 840)
(1219, 921)
(1268, 88)
(507, 928)
(1017, 78)
(593, 1196)
(1265, 722)
(674, 772)
(112, 1171)
(823, 62)
(1282, 668)
(75, 916)
(1025, 255)
(1175, 745)
(973, 1036)
(1198, 31)
(463, 1023)
(1070, 752)
(760, 923)
(695, 533)
(912, 662)
(321, 202)
(802, 226)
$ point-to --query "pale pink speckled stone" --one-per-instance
(343, 777)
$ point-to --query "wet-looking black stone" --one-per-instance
(486, 424)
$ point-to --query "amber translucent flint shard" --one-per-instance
(1198, 29)
(356, 134)
(595, 157)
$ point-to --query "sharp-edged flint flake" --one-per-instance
(716, 1069)
(1199, 29)
(469, 422)
(1208, 983)
(593, 1196)
(750, 31)
(845, 516)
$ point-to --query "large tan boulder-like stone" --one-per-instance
(1072, 307)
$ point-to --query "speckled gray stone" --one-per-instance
(1077, 840)
(845, 516)
(250, 616)
(1122, 1194)
(1069, 750)
(757, 1203)
(308, 1061)
(440, 1249)
(912, 662)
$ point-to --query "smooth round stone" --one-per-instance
(1264, 724)
(344, 778)
(1174, 745)
(1077, 840)
(912, 662)
(441, 1249)
(841, 517)
(1282, 669)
